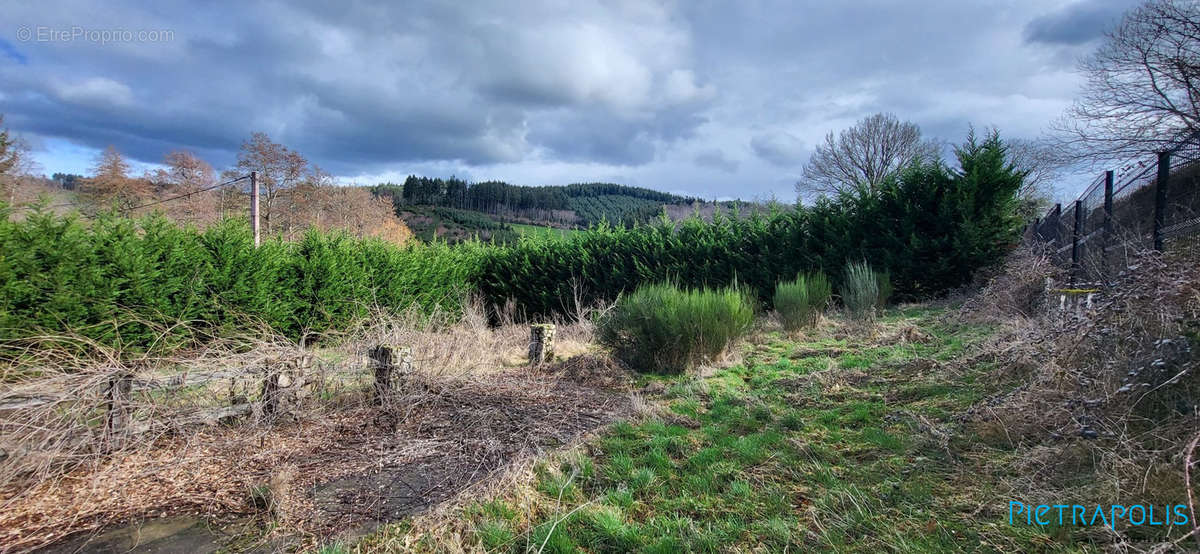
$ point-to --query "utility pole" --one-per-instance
(254, 206)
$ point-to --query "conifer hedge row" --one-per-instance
(930, 227)
(130, 284)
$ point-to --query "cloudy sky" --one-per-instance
(712, 99)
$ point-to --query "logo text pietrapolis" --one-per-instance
(1110, 516)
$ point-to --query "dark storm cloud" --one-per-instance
(365, 86)
(1076, 23)
(722, 98)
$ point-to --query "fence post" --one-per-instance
(117, 395)
(1108, 222)
(383, 361)
(270, 390)
(541, 343)
(1160, 198)
(1057, 216)
(254, 207)
(1075, 231)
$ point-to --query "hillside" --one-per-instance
(436, 206)
(453, 225)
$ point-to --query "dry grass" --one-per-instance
(463, 412)
(462, 344)
(1107, 401)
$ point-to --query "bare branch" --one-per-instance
(1141, 93)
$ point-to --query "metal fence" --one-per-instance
(1145, 205)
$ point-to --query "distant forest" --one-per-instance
(580, 204)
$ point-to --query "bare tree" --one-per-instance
(278, 169)
(1143, 85)
(189, 175)
(1042, 164)
(320, 202)
(865, 154)
(11, 155)
(111, 184)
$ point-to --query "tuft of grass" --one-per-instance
(801, 301)
(860, 290)
(663, 329)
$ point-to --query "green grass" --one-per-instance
(820, 453)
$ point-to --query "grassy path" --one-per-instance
(824, 443)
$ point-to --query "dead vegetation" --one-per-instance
(326, 461)
(1105, 407)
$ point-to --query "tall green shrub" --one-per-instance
(800, 302)
(860, 290)
(663, 329)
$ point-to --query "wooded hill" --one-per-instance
(436, 206)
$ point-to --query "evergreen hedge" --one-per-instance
(131, 283)
(929, 228)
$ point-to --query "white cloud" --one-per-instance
(96, 91)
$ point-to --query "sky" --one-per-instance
(703, 98)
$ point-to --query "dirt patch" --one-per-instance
(831, 352)
(457, 436)
(355, 468)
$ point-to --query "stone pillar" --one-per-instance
(541, 343)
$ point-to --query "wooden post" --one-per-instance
(541, 343)
(254, 206)
(117, 394)
(270, 390)
(383, 361)
(1160, 198)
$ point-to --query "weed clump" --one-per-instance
(860, 290)
(663, 329)
(800, 302)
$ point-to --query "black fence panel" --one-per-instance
(1126, 211)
